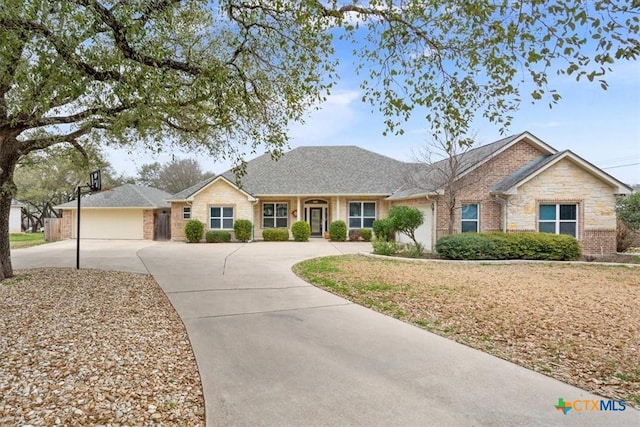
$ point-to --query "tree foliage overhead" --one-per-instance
(172, 177)
(50, 177)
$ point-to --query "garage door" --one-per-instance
(423, 233)
(109, 224)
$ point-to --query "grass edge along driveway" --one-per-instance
(573, 322)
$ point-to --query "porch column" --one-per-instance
(337, 216)
(298, 211)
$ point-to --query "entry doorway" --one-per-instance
(316, 221)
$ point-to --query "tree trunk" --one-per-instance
(451, 218)
(8, 160)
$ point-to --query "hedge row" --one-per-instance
(535, 246)
(217, 236)
(275, 234)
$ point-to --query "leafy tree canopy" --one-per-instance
(172, 177)
(49, 177)
(628, 210)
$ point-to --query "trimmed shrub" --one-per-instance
(243, 230)
(275, 234)
(384, 247)
(338, 231)
(301, 231)
(193, 230)
(218, 236)
(534, 246)
(355, 234)
(365, 233)
(383, 229)
(405, 219)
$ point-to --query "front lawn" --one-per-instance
(24, 240)
(574, 322)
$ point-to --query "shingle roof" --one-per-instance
(316, 170)
(125, 196)
(322, 170)
(349, 170)
(428, 178)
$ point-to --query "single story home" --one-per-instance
(518, 183)
(15, 217)
(126, 212)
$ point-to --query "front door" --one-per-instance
(316, 221)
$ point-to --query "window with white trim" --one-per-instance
(221, 217)
(469, 218)
(275, 215)
(186, 212)
(362, 214)
(558, 219)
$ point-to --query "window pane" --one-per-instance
(227, 212)
(369, 209)
(469, 226)
(568, 228)
(568, 212)
(268, 209)
(227, 223)
(547, 212)
(215, 223)
(547, 227)
(268, 223)
(354, 223)
(355, 209)
(281, 222)
(368, 222)
(215, 212)
(470, 211)
(281, 209)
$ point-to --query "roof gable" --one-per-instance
(510, 184)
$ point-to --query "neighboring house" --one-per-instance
(126, 212)
(15, 217)
(518, 183)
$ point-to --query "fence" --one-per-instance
(52, 229)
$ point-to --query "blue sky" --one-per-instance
(601, 126)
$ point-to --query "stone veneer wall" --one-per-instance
(220, 193)
(566, 182)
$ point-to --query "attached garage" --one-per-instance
(128, 212)
(109, 223)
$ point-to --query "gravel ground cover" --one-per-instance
(91, 347)
(579, 323)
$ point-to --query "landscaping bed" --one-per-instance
(93, 348)
(575, 322)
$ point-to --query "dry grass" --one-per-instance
(577, 323)
(94, 348)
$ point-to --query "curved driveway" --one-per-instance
(274, 350)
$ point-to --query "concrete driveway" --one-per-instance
(274, 350)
